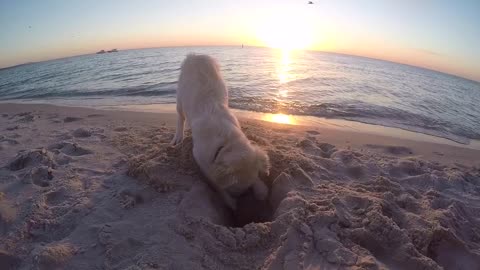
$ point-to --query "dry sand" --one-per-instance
(91, 189)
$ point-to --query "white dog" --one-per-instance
(222, 151)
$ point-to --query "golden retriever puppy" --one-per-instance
(224, 154)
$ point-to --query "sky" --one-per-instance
(436, 34)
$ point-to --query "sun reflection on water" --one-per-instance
(283, 68)
(284, 75)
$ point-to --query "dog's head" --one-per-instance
(238, 166)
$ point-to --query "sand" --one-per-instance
(92, 189)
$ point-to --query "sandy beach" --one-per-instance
(96, 189)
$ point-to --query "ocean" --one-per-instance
(265, 80)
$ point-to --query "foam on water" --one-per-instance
(265, 80)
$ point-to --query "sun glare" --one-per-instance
(286, 33)
(279, 118)
(283, 68)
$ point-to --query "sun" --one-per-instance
(286, 33)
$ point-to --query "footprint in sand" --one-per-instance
(94, 115)
(71, 149)
(406, 168)
(129, 198)
(32, 158)
(25, 117)
(105, 234)
(12, 128)
(351, 161)
(440, 202)
(281, 130)
(4, 141)
(392, 149)
(70, 119)
(39, 176)
(81, 133)
(62, 159)
(311, 147)
(64, 136)
(14, 136)
(56, 197)
(347, 157)
(313, 132)
(120, 129)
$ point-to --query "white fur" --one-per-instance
(224, 154)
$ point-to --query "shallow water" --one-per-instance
(266, 80)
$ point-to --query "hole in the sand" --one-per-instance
(250, 210)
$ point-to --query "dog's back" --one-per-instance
(222, 151)
(201, 86)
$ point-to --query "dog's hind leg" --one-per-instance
(180, 126)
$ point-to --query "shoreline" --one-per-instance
(343, 133)
(333, 123)
(295, 120)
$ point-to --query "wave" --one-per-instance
(160, 89)
(365, 113)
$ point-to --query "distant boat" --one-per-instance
(101, 52)
(114, 50)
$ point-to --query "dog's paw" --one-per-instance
(229, 201)
(260, 190)
(176, 140)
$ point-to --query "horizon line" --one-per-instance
(246, 45)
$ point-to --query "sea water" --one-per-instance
(265, 80)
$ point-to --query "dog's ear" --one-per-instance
(223, 175)
(263, 162)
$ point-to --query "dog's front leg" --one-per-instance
(260, 190)
(228, 200)
(179, 132)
